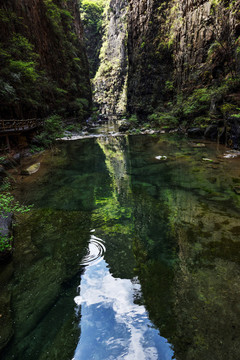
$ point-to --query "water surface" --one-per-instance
(131, 252)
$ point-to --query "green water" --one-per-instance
(161, 279)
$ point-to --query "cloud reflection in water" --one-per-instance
(112, 326)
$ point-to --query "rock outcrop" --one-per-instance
(184, 53)
(150, 61)
(110, 83)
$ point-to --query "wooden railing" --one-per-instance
(19, 125)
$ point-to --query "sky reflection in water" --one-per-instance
(113, 326)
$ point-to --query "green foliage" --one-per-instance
(18, 72)
(169, 85)
(52, 130)
(133, 119)
(5, 242)
(2, 158)
(35, 149)
(201, 121)
(28, 88)
(92, 17)
(197, 103)
(5, 186)
(163, 119)
(215, 2)
(237, 116)
(213, 48)
(227, 108)
(9, 205)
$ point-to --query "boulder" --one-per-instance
(31, 169)
(211, 132)
(125, 126)
(6, 225)
(6, 232)
(195, 132)
(234, 132)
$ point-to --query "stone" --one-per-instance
(6, 225)
(197, 145)
(211, 132)
(206, 159)
(31, 169)
(17, 158)
(125, 126)
(161, 157)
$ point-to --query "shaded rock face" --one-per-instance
(204, 48)
(110, 83)
(44, 67)
(190, 43)
(150, 63)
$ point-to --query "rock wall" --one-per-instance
(205, 43)
(92, 18)
(110, 83)
(44, 68)
(150, 63)
(178, 46)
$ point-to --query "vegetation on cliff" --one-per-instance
(110, 81)
(184, 63)
(43, 64)
(92, 18)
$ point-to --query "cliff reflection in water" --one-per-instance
(171, 270)
(187, 247)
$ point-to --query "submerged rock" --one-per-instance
(231, 154)
(31, 169)
(161, 157)
(206, 159)
(197, 145)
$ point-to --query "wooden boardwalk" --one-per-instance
(12, 127)
(17, 127)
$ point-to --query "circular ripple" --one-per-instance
(96, 250)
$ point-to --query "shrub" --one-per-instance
(163, 118)
(133, 119)
(52, 130)
(9, 205)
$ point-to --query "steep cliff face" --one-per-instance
(92, 18)
(150, 61)
(44, 68)
(205, 43)
(110, 82)
(184, 60)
